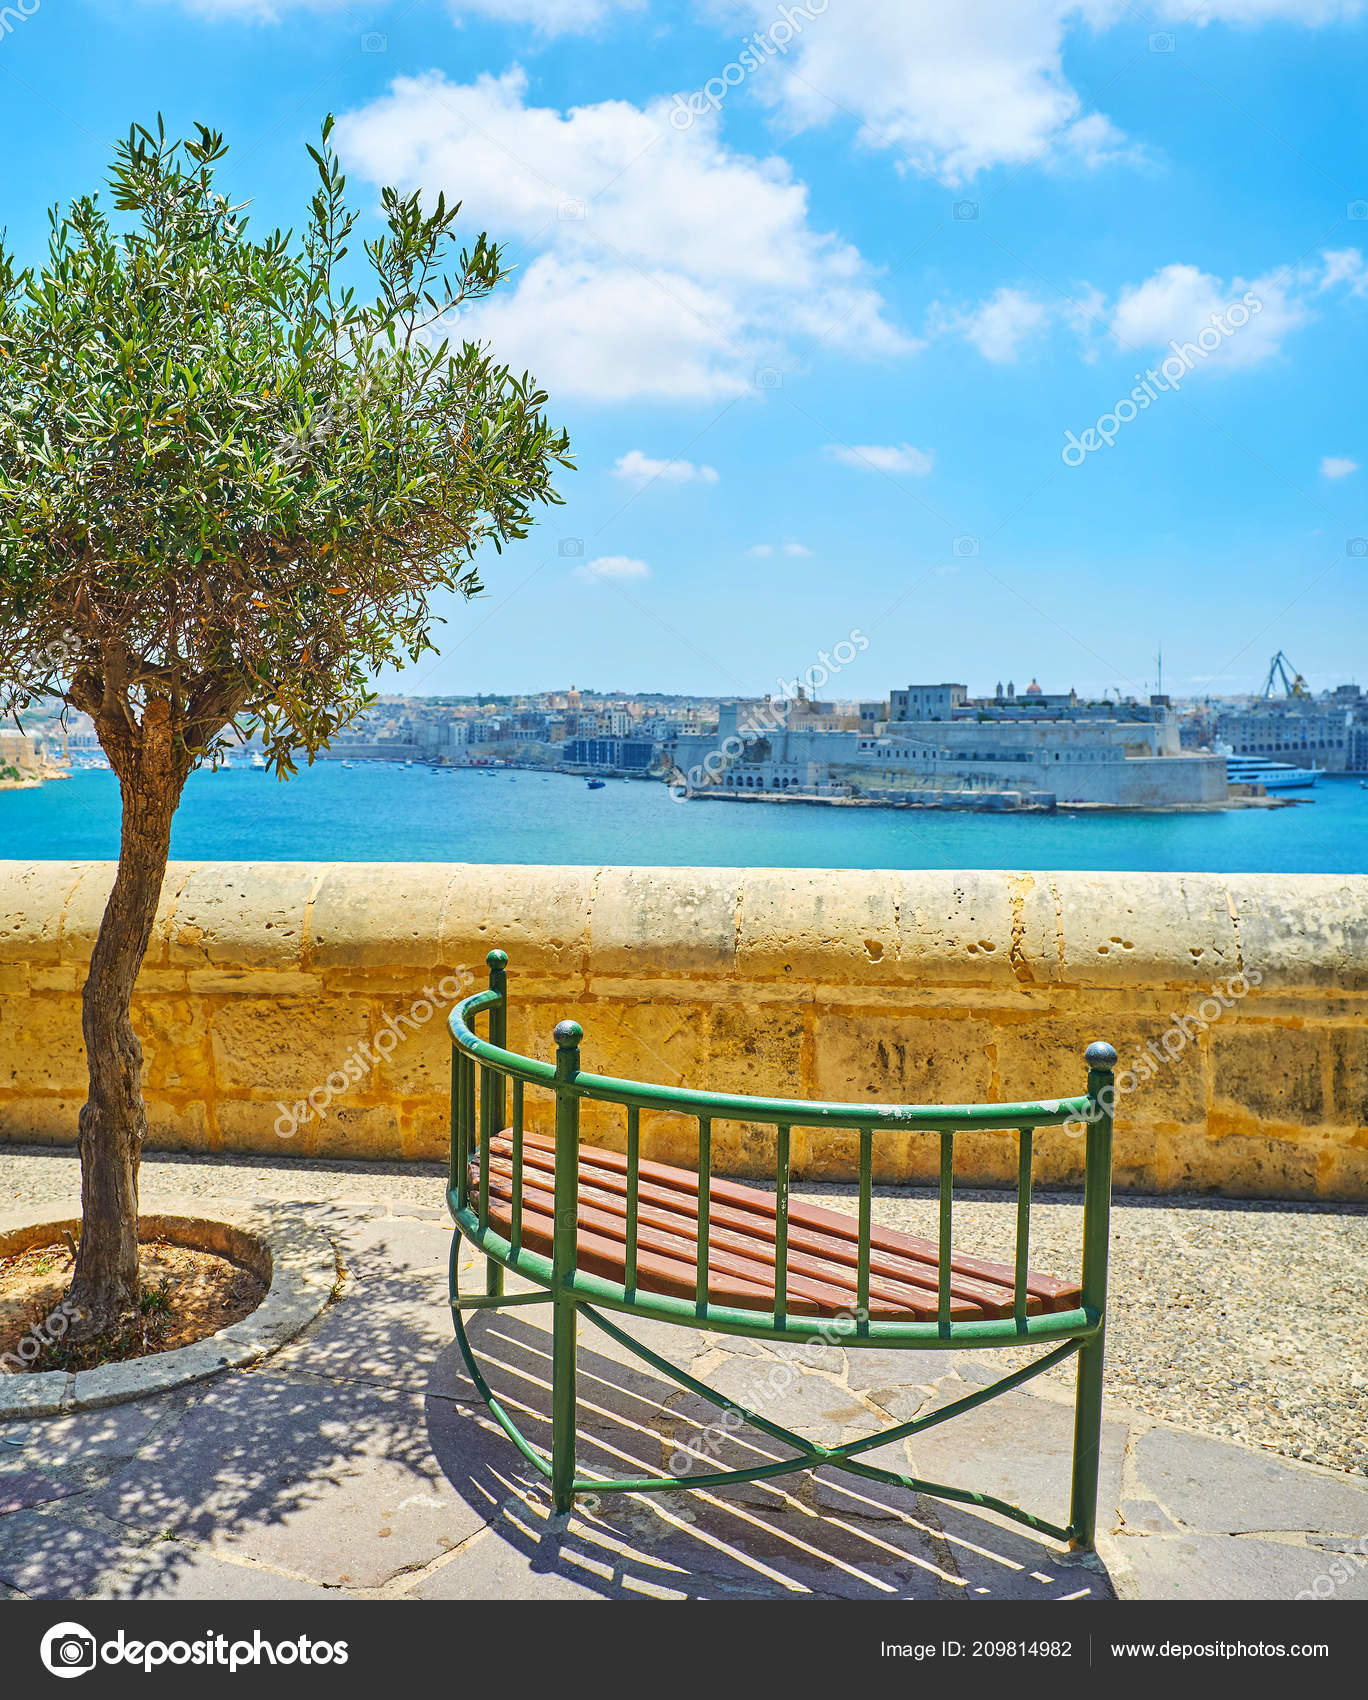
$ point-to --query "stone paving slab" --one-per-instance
(20, 1489)
(360, 1461)
(335, 1482)
(172, 1571)
(1223, 1489)
(1209, 1567)
(1020, 1448)
(53, 1557)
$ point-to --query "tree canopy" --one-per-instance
(229, 484)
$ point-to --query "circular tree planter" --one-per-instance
(273, 1241)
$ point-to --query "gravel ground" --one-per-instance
(1241, 1319)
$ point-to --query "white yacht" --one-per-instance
(1272, 775)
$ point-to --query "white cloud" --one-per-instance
(639, 468)
(797, 549)
(998, 327)
(760, 550)
(1179, 302)
(953, 89)
(893, 457)
(1176, 304)
(1337, 466)
(616, 567)
(1345, 265)
(663, 265)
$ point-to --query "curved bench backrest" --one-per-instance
(484, 1069)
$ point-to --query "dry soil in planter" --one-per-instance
(188, 1295)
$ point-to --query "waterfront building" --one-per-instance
(1037, 749)
(623, 755)
(1306, 731)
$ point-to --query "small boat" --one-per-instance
(597, 784)
(258, 762)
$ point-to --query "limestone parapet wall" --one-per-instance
(266, 982)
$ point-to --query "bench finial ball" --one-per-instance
(1100, 1055)
(567, 1034)
(497, 959)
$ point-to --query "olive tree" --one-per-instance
(233, 472)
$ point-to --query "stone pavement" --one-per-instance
(360, 1461)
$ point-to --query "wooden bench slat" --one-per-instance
(822, 1254)
(831, 1289)
(1066, 1294)
(994, 1298)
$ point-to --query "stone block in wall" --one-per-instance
(1349, 1076)
(1257, 1167)
(870, 1059)
(1311, 930)
(385, 915)
(41, 1048)
(178, 1052)
(1141, 932)
(539, 916)
(633, 909)
(754, 1050)
(962, 929)
(41, 1119)
(241, 915)
(1266, 1075)
(828, 925)
(286, 1046)
(33, 900)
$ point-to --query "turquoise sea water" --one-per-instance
(380, 812)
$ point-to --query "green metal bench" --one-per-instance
(601, 1232)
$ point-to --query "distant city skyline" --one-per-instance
(999, 331)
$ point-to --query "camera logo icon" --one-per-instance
(374, 42)
(1356, 546)
(964, 210)
(570, 548)
(1163, 42)
(68, 1649)
(1357, 209)
(965, 546)
(768, 378)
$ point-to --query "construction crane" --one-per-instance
(1292, 682)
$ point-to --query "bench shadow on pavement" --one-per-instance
(828, 1534)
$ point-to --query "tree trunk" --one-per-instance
(105, 1287)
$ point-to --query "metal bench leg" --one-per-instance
(564, 1326)
(1087, 1445)
(1101, 1060)
(564, 1257)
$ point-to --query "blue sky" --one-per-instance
(820, 327)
